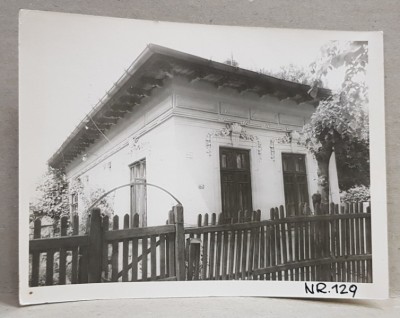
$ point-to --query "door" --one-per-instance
(295, 182)
(235, 181)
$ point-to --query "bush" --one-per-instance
(356, 194)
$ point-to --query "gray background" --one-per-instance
(360, 15)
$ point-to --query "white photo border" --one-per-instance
(376, 290)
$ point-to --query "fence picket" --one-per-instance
(144, 257)
(244, 249)
(232, 242)
(218, 250)
(225, 249)
(63, 253)
(272, 243)
(312, 249)
(296, 249)
(348, 245)
(333, 230)
(205, 251)
(106, 224)
(337, 245)
(49, 267)
(153, 257)
(238, 254)
(75, 251)
(308, 242)
(284, 240)
(301, 249)
(179, 243)
(36, 255)
(212, 248)
(357, 244)
(250, 260)
(135, 249)
(256, 263)
(262, 249)
(352, 244)
(343, 246)
(114, 255)
(362, 246)
(171, 247)
(162, 257)
(368, 245)
(189, 257)
(125, 251)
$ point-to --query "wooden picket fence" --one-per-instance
(331, 244)
(107, 253)
(147, 253)
(59, 254)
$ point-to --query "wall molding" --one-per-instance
(293, 137)
(236, 133)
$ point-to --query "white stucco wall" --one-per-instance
(199, 163)
(107, 162)
(201, 191)
(176, 131)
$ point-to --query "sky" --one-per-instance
(68, 62)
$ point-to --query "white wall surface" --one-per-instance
(182, 151)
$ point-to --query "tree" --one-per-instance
(340, 123)
(53, 200)
(88, 196)
(293, 73)
(231, 62)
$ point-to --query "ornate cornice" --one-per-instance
(293, 137)
(236, 133)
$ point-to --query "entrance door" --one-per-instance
(295, 182)
(235, 181)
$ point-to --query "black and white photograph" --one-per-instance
(181, 159)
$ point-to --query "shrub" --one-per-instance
(356, 194)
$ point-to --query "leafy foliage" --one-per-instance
(352, 162)
(53, 198)
(342, 118)
(341, 121)
(356, 194)
(293, 73)
(87, 197)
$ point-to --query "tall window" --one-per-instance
(139, 192)
(295, 182)
(235, 181)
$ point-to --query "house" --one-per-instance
(217, 137)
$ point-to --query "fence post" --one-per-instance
(95, 247)
(36, 255)
(179, 243)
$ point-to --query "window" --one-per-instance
(74, 203)
(139, 192)
(295, 182)
(235, 181)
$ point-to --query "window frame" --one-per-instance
(142, 163)
(295, 174)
